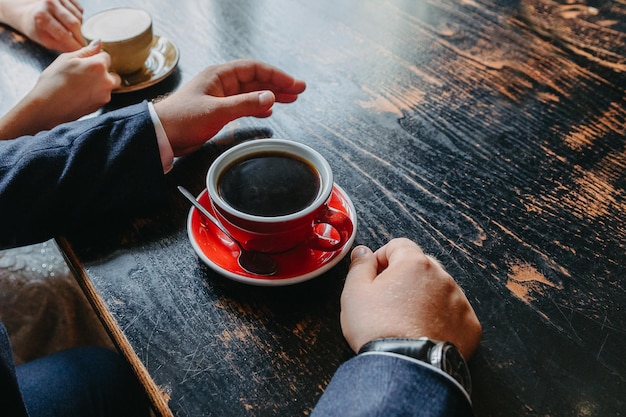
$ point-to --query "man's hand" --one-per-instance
(75, 84)
(219, 95)
(398, 291)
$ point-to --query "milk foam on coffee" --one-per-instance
(117, 24)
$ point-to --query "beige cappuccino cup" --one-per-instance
(126, 35)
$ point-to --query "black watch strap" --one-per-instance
(442, 355)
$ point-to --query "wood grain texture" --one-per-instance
(491, 132)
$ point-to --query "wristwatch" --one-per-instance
(442, 355)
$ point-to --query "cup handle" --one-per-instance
(330, 231)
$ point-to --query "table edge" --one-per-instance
(156, 396)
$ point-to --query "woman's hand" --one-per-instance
(75, 84)
(54, 24)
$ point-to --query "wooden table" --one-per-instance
(492, 133)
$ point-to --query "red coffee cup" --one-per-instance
(272, 195)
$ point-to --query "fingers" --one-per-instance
(255, 104)
(116, 80)
(355, 297)
(397, 249)
(244, 76)
(363, 270)
(74, 7)
(366, 266)
(363, 266)
(61, 20)
(94, 49)
(398, 291)
(90, 50)
(69, 14)
(219, 95)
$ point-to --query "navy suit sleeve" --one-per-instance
(61, 179)
(11, 402)
(389, 386)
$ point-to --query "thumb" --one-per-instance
(363, 267)
(255, 104)
(92, 49)
(356, 291)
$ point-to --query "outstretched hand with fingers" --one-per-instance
(219, 95)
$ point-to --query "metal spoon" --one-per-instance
(257, 263)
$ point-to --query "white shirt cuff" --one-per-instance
(165, 148)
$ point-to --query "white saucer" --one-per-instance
(161, 63)
(296, 265)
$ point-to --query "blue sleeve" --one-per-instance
(11, 402)
(388, 386)
(61, 179)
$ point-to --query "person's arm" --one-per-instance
(75, 84)
(398, 292)
(77, 172)
(11, 402)
(68, 176)
(54, 24)
(390, 386)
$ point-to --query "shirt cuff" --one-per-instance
(165, 148)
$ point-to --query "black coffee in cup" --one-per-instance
(269, 184)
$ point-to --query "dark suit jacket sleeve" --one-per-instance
(67, 177)
(376, 385)
(11, 402)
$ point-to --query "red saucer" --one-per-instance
(296, 265)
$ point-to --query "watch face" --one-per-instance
(453, 364)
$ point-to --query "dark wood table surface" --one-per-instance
(490, 132)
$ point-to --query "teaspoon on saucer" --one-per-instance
(257, 263)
